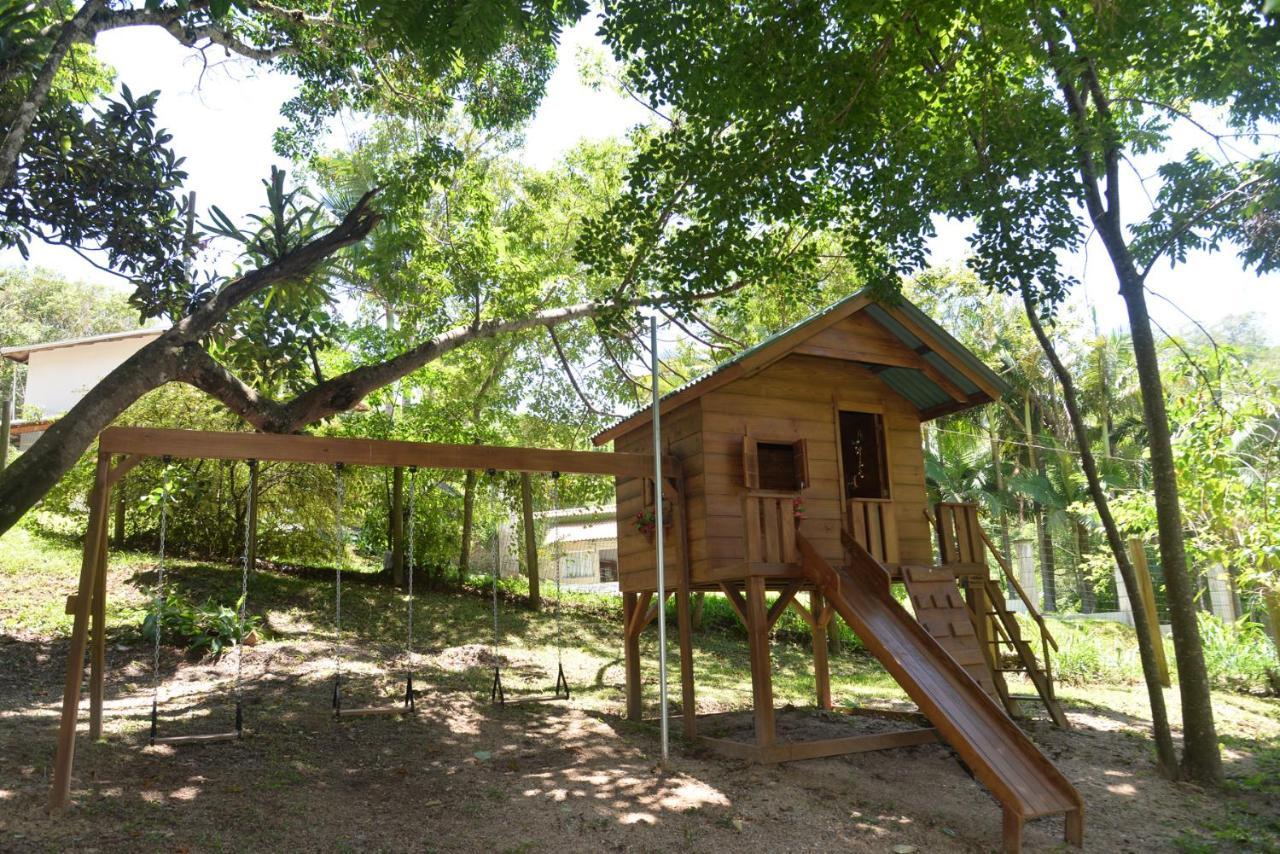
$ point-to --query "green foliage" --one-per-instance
(209, 627)
(104, 185)
(1239, 657)
(864, 123)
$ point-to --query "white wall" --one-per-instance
(58, 378)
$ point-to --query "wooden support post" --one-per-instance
(1012, 841)
(688, 703)
(761, 671)
(1138, 555)
(821, 664)
(631, 653)
(98, 652)
(397, 526)
(1073, 828)
(60, 794)
(976, 593)
(684, 618)
(118, 524)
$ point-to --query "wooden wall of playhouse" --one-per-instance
(796, 398)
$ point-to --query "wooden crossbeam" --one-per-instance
(204, 444)
(735, 599)
(122, 468)
(804, 613)
(639, 617)
(787, 596)
(801, 750)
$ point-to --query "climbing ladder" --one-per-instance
(940, 608)
(961, 545)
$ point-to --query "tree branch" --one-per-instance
(197, 368)
(573, 381)
(72, 32)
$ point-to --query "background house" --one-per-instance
(584, 541)
(58, 373)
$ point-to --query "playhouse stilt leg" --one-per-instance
(98, 651)
(821, 665)
(1012, 842)
(761, 675)
(688, 703)
(631, 655)
(60, 794)
(1074, 828)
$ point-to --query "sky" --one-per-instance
(223, 119)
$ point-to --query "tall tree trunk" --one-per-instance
(1200, 758)
(1166, 756)
(468, 517)
(397, 527)
(530, 541)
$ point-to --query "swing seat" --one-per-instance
(207, 738)
(370, 711)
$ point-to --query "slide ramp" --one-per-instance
(1000, 754)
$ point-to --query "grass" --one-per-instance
(1239, 658)
(40, 563)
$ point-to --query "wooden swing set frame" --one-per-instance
(122, 448)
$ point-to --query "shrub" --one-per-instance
(1239, 656)
(209, 627)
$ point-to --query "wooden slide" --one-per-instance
(1000, 754)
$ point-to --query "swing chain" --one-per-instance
(251, 508)
(561, 681)
(337, 594)
(496, 692)
(159, 601)
(408, 687)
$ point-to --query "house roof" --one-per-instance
(580, 532)
(22, 352)
(946, 378)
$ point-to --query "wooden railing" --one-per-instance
(872, 526)
(961, 540)
(769, 519)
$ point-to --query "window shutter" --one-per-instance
(750, 463)
(800, 451)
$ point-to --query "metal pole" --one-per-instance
(659, 541)
(6, 417)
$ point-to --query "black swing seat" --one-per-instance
(405, 707)
(498, 695)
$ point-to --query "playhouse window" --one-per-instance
(863, 456)
(774, 466)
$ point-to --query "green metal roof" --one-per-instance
(912, 384)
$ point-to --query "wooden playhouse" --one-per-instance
(802, 471)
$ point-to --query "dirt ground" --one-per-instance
(462, 775)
